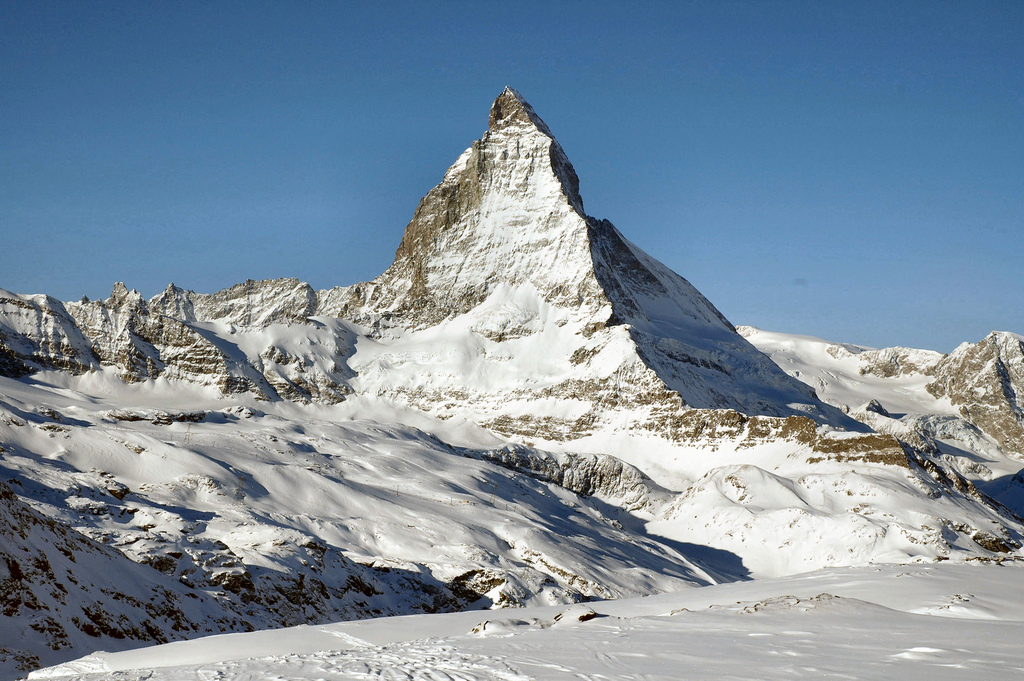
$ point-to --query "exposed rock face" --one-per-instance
(898, 361)
(957, 416)
(986, 381)
(168, 337)
(249, 304)
(584, 474)
(171, 337)
(62, 590)
(883, 362)
(37, 332)
(144, 345)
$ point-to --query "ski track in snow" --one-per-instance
(429, 663)
(685, 645)
(424, 661)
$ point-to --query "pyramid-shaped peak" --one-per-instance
(502, 248)
(510, 109)
(509, 214)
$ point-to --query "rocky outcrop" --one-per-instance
(36, 332)
(249, 304)
(985, 381)
(605, 477)
(144, 345)
(62, 592)
(297, 579)
(165, 338)
(897, 361)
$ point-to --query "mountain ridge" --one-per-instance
(503, 237)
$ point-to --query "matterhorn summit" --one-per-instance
(502, 250)
(508, 212)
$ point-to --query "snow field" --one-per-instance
(911, 622)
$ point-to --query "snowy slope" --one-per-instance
(298, 514)
(977, 384)
(934, 622)
(280, 513)
(63, 590)
(851, 376)
(961, 408)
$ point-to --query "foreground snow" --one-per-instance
(939, 621)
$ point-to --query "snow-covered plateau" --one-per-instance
(525, 411)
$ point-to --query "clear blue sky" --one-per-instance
(852, 170)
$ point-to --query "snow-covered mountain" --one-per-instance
(524, 409)
(963, 409)
(985, 382)
(503, 290)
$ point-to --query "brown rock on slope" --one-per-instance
(986, 381)
(62, 592)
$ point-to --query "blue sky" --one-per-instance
(851, 170)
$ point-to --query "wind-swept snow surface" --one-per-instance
(921, 622)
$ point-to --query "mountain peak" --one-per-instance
(510, 109)
(504, 236)
(120, 296)
(508, 212)
(512, 132)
